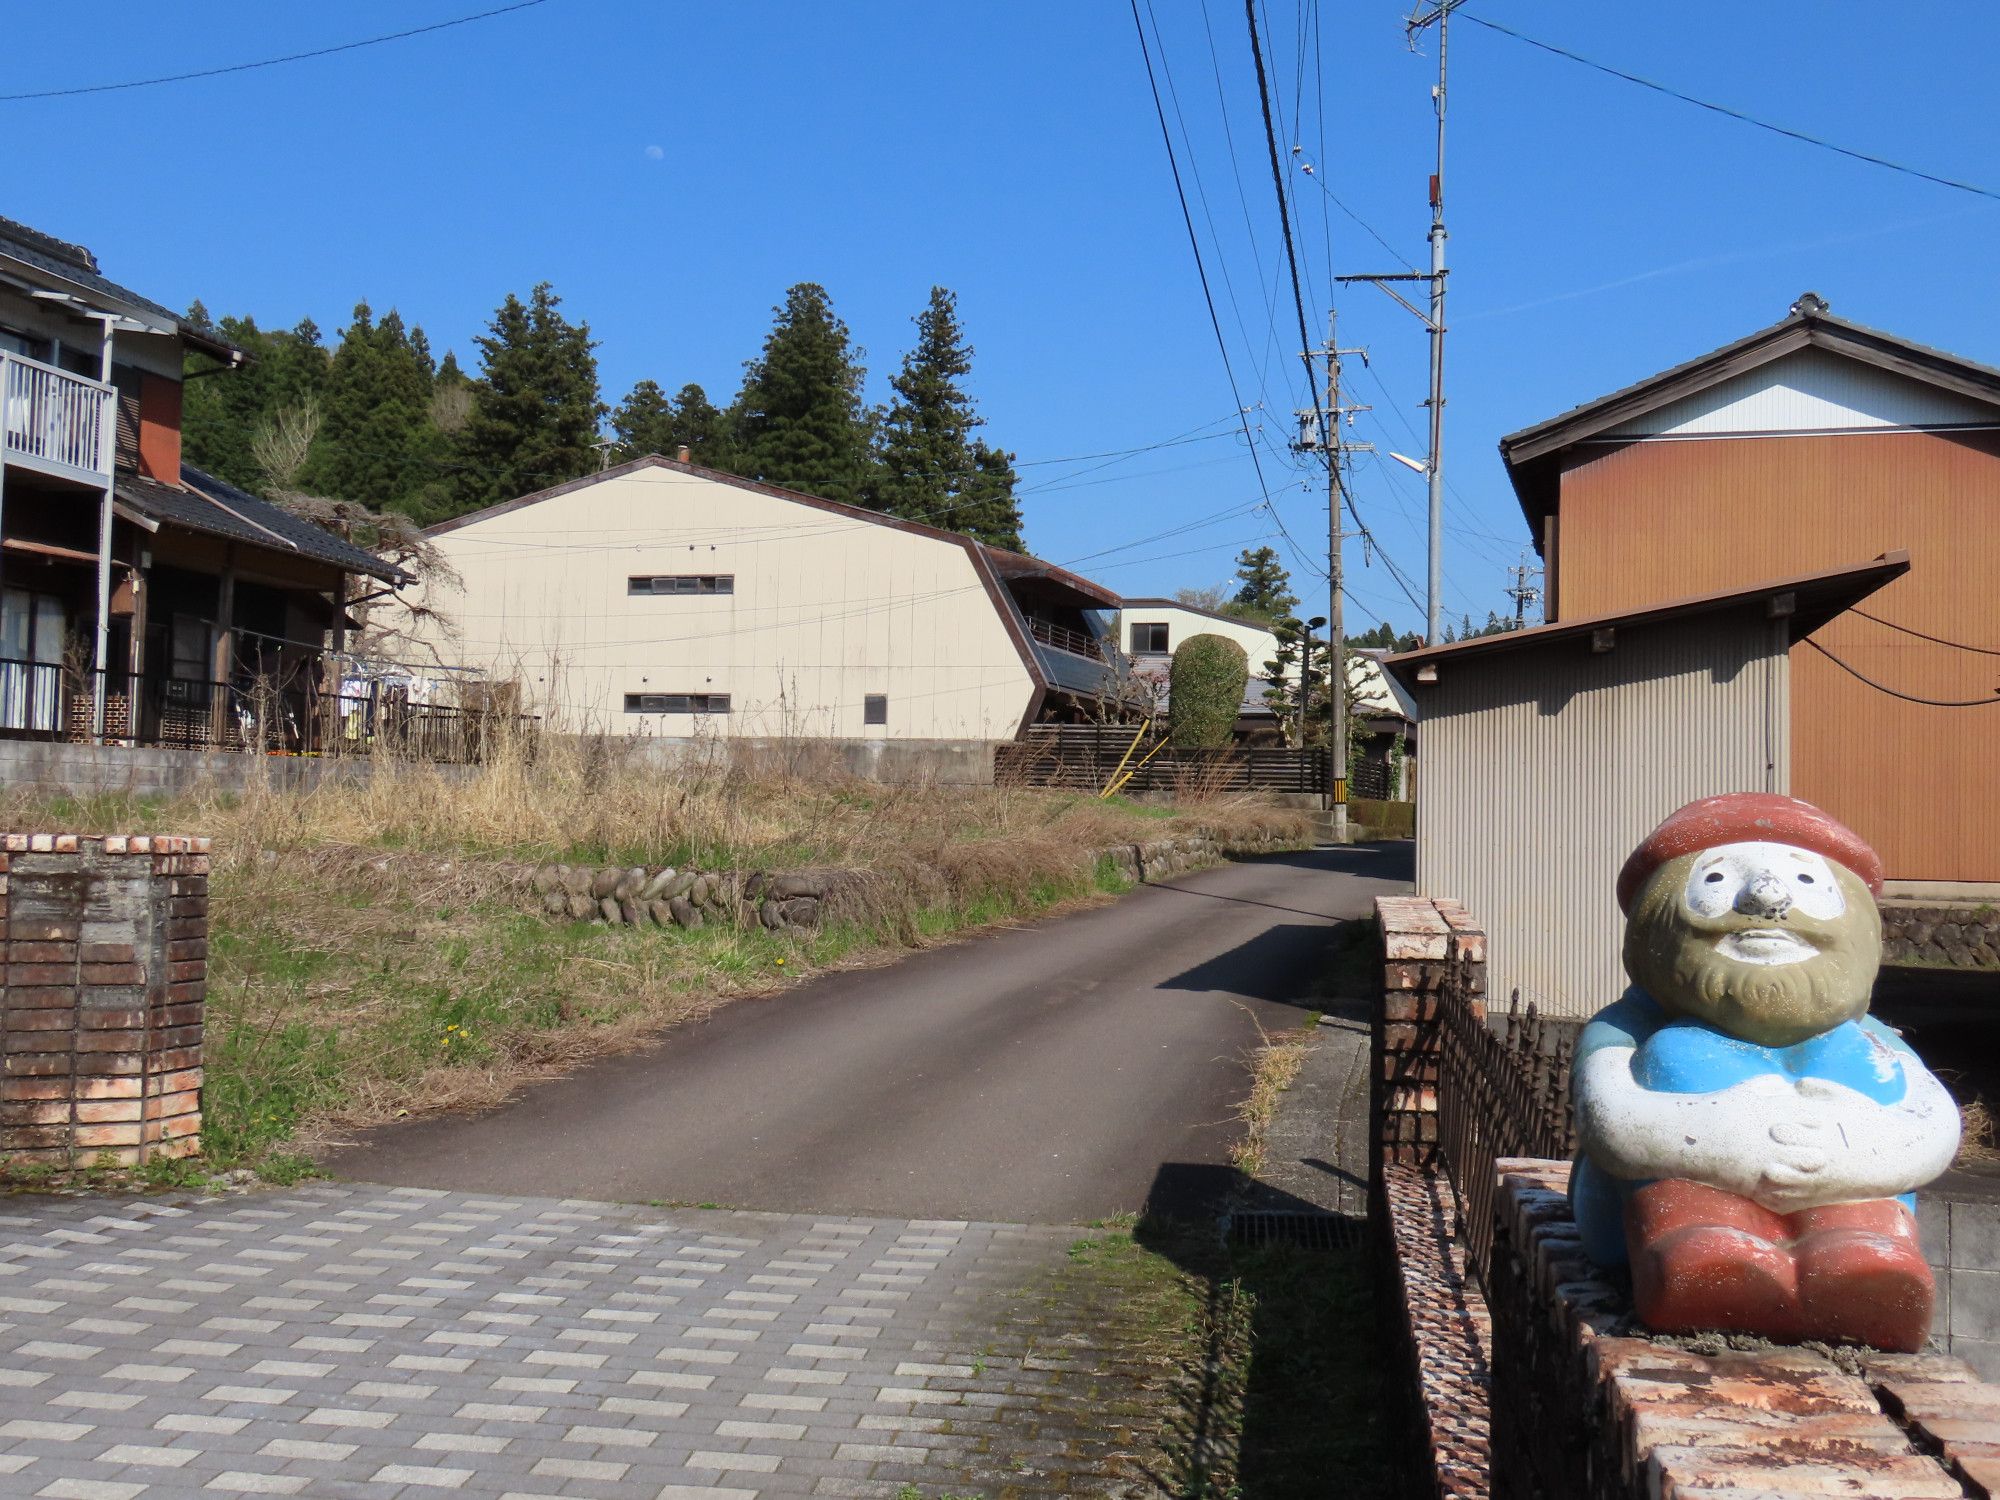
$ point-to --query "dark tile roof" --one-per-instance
(206, 503)
(73, 263)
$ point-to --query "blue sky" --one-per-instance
(672, 168)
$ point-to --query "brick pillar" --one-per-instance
(101, 1003)
(1426, 943)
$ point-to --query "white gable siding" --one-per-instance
(1812, 390)
(1259, 645)
(826, 610)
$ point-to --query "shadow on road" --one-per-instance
(1282, 1392)
(1267, 967)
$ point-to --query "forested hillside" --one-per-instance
(391, 427)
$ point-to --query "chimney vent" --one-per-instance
(681, 453)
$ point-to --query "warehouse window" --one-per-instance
(681, 583)
(875, 708)
(677, 703)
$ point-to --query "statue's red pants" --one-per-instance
(1706, 1260)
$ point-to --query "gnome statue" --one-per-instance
(1750, 1139)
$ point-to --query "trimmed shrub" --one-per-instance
(1206, 686)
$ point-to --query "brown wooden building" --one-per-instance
(1812, 444)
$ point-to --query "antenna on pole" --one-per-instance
(1419, 20)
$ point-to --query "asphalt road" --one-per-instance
(1057, 1073)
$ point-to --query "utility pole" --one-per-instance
(1440, 13)
(1523, 593)
(1336, 448)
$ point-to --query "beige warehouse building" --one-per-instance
(664, 599)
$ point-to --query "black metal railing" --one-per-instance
(1076, 642)
(1502, 1090)
(41, 700)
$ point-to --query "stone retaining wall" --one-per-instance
(1582, 1407)
(1962, 936)
(797, 901)
(101, 998)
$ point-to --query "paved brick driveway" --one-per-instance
(342, 1340)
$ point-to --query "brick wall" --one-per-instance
(1424, 940)
(1584, 1407)
(101, 1001)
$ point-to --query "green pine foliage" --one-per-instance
(648, 420)
(930, 466)
(374, 444)
(1205, 685)
(1266, 587)
(799, 420)
(395, 430)
(535, 407)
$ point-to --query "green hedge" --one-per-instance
(1207, 681)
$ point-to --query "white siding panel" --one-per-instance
(1544, 767)
(827, 609)
(1812, 390)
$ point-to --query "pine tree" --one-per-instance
(648, 420)
(1266, 593)
(705, 430)
(220, 414)
(799, 417)
(930, 465)
(925, 456)
(374, 445)
(991, 512)
(644, 421)
(535, 408)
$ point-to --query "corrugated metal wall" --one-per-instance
(1544, 767)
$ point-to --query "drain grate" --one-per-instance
(1306, 1230)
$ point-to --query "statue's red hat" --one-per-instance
(1748, 817)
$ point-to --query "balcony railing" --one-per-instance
(55, 422)
(48, 701)
(1076, 642)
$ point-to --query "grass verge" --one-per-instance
(368, 962)
(1261, 1360)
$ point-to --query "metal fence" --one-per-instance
(1088, 757)
(1502, 1090)
(40, 700)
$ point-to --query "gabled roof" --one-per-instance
(1194, 609)
(201, 502)
(990, 564)
(75, 264)
(1815, 599)
(1533, 455)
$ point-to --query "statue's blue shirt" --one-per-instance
(1687, 1056)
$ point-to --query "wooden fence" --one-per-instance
(1087, 757)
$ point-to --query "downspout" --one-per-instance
(107, 458)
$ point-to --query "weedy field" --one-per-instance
(370, 958)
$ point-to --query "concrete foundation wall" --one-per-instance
(935, 762)
(83, 769)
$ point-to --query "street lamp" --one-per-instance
(1412, 463)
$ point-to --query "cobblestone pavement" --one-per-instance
(343, 1340)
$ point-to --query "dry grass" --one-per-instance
(1976, 1144)
(369, 962)
(1274, 1066)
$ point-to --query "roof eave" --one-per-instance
(1818, 597)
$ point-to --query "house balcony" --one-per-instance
(55, 423)
(1075, 642)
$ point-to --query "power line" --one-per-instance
(1194, 244)
(1922, 636)
(1306, 167)
(1734, 114)
(270, 62)
(1284, 211)
(1894, 693)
